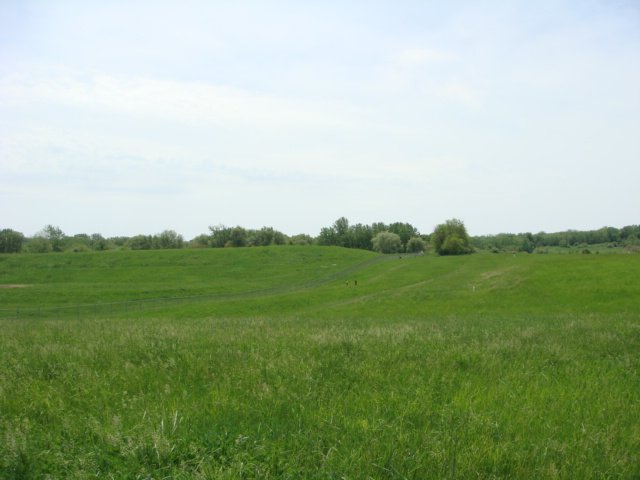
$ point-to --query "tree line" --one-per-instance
(530, 242)
(448, 238)
(386, 238)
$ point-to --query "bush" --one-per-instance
(416, 245)
(201, 241)
(140, 242)
(387, 242)
(38, 245)
(167, 239)
(266, 236)
(451, 238)
(98, 242)
(301, 239)
(453, 245)
(78, 247)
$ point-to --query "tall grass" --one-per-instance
(477, 367)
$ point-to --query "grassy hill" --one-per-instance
(277, 279)
(92, 277)
(277, 365)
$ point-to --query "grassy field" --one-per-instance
(482, 366)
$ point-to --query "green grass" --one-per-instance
(483, 366)
(73, 278)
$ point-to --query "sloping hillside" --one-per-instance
(318, 281)
(273, 363)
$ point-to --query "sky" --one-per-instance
(130, 117)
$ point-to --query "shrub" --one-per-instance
(167, 239)
(38, 245)
(301, 239)
(451, 238)
(140, 242)
(201, 241)
(416, 245)
(79, 247)
(387, 242)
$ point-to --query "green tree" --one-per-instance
(527, 243)
(378, 227)
(415, 245)
(237, 237)
(118, 241)
(387, 242)
(404, 230)
(453, 245)
(361, 236)
(328, 236)
(220, 235)
(140, 242)
(98, 242)
(54, 235)
(167, 239)
(339, 234)
(201, 241)
(38, 244)
(341, 227)
(11, 241)
(451, 238)
(301, 239)
(267, 236)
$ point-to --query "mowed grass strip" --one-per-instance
(429, 368)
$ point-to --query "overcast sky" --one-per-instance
(139, 116)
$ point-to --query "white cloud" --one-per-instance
(191, 102)
(422, 56)
(461, 93)
(316, 110)
(133, 124)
